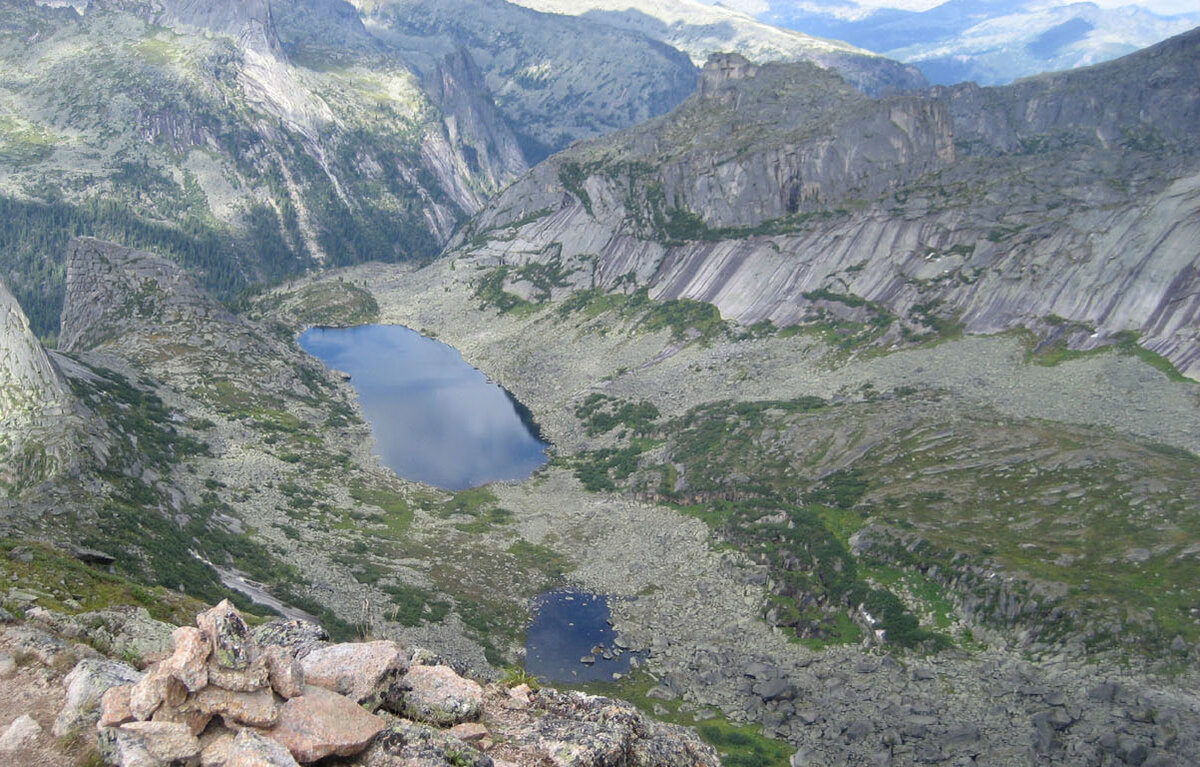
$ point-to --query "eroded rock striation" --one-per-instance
(35, 402)
(1068, 205)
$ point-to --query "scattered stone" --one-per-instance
(86, 685)
(440, 696)
(368, 672)
(20, 734)
(322, 723)
(588, 660)
(232, 645)
(250, 749)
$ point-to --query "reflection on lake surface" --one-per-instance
(569, 626)
(435, 418)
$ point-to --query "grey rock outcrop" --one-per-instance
(35, 402)
(1068, 205)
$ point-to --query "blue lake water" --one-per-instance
(568, 625)
(435, 418)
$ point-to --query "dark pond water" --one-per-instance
(567, 626)
(435, 418)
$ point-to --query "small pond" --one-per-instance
(435, 418)
(570, 639)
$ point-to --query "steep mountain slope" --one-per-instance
(185, 125)
(250, 141)
(990, 42)
(699, 30)
(557, 79)
(1068, 205)
(35, 403)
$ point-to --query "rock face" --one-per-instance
(1068, 205)
(557, 79)
(34, 399)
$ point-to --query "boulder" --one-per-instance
(284, 671)
(255, 709)
(322, 723)
(188, 663)
(408, 744)
(298, 637)
(86, 685)
(153, 690)
(250, 749)
(440, 696)
(215, 748)
(21, 733)
(232, 645)
(368, 672)
(254, 676)
(114, 706)
(165, 741)
(195, 721)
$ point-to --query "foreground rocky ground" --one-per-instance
(220, 693)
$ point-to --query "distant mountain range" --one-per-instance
(988, 41)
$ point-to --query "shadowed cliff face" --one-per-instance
(1068, 204)
(34, 401)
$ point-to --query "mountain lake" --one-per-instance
(570, 639)
(435, 418)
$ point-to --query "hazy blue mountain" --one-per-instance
(988, 41)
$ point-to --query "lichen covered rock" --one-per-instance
(440, 696)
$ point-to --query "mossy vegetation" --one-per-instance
(740, 745)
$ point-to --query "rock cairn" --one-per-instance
(223, 697)
(281, 695)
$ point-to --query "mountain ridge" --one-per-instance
(1014, 224)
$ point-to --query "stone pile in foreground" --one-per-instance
(280, 695)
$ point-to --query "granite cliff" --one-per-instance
(34, 402)
(1066, 205)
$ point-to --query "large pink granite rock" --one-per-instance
(367, 672)
(322, 723)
